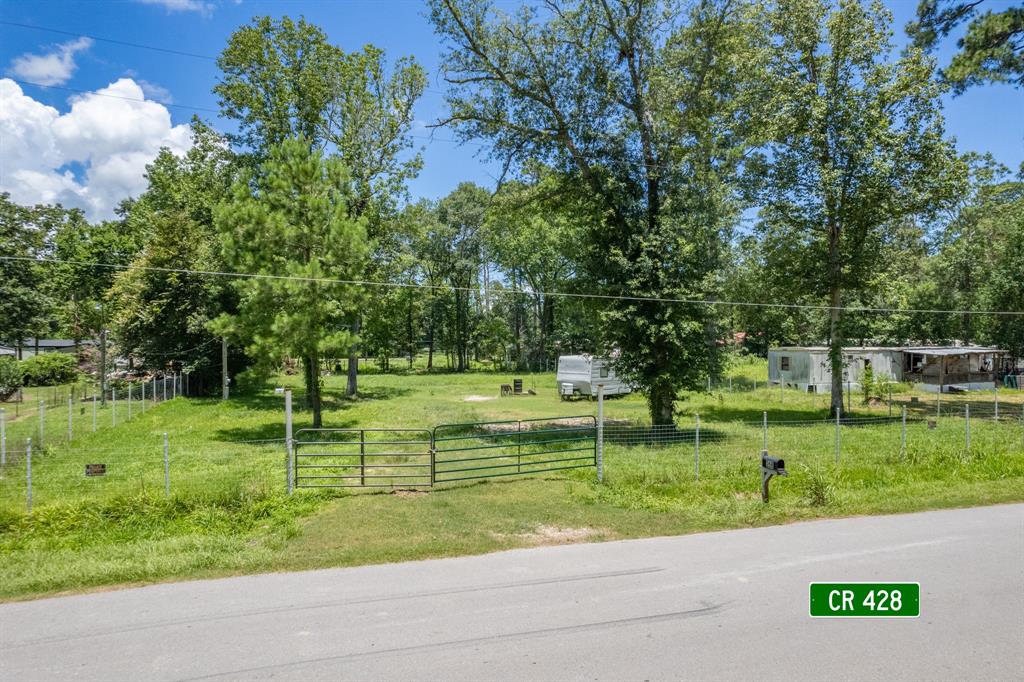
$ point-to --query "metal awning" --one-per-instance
(954, 351)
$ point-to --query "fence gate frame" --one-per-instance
(419, 459)
(478, 432)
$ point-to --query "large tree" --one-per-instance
(164, 316)
(990, 51)
(283, 78)
(858, 147)
(25, 309)
(290, 227)
(639, 106)
(531, 234)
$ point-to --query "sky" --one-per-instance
(84, 141)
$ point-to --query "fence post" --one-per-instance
(519, 446)
(28, 474)
(730, 384)
(362, 457)
(167, 469)
(903, 434)
(288, 438)
(94, 413)
(154, 390)
(967, 423)
(42, 421)
(889, 386)
(600, 433)
(755, 384)
(224, 368)
(70, 408)
(143, 384)
(129, 401)
(764, 431)
(838, 416)
(938, 403)
(3, 437)
(165, 386)
(996, 398)
(696, 449)
(849, 398)
(709, 383)
(113, 406)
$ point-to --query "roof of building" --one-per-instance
(952, 350)
(921, 350)
(49, 343)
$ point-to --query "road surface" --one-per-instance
(729, 605)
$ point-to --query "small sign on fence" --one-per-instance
(95, 469)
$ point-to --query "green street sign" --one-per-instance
(865, 600)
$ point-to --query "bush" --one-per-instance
(49, 369)
(11, 376)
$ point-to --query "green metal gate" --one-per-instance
(365, 458)
(513, 448)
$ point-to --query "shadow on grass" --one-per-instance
(722, 413)
(334, 406)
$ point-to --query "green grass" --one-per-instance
(228, 512)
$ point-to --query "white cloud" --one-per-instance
(107, 133)
(155, 92)
(181, 5)
(52, 68)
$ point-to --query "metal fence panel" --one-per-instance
(514, 447)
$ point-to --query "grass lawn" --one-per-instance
(228, 512)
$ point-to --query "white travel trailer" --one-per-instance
(580, 375)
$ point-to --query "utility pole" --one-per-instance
(224, 366)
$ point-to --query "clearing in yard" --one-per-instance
(228, 511)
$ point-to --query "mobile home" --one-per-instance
(808, 367)
(580, 375)
(935, 368)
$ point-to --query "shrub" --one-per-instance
(49, 369)
(819, 488)
(11, 376)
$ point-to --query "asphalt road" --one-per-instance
(730, 605)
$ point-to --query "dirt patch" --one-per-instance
(506, 427)
(408, 493)
(555, 535)
(477, 398)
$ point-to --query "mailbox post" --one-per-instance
(770, 466)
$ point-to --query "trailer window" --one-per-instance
(604, 372)
(784, 362)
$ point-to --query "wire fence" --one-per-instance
(711, 447)
(186, 463)
(58, 415)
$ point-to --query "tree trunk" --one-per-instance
(409, 331)
(353, 362)
(835, 331)
(312, 372)
(661, 402)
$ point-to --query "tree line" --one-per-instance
(662, 161)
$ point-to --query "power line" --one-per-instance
(429, 138)
(106, 94)
(108, 40)
(497, 291)
(140, 46)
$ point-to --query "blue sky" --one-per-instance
(987, 119)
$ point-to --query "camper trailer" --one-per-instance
(579, 375)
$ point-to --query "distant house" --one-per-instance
(936, 368)
(29, 347)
